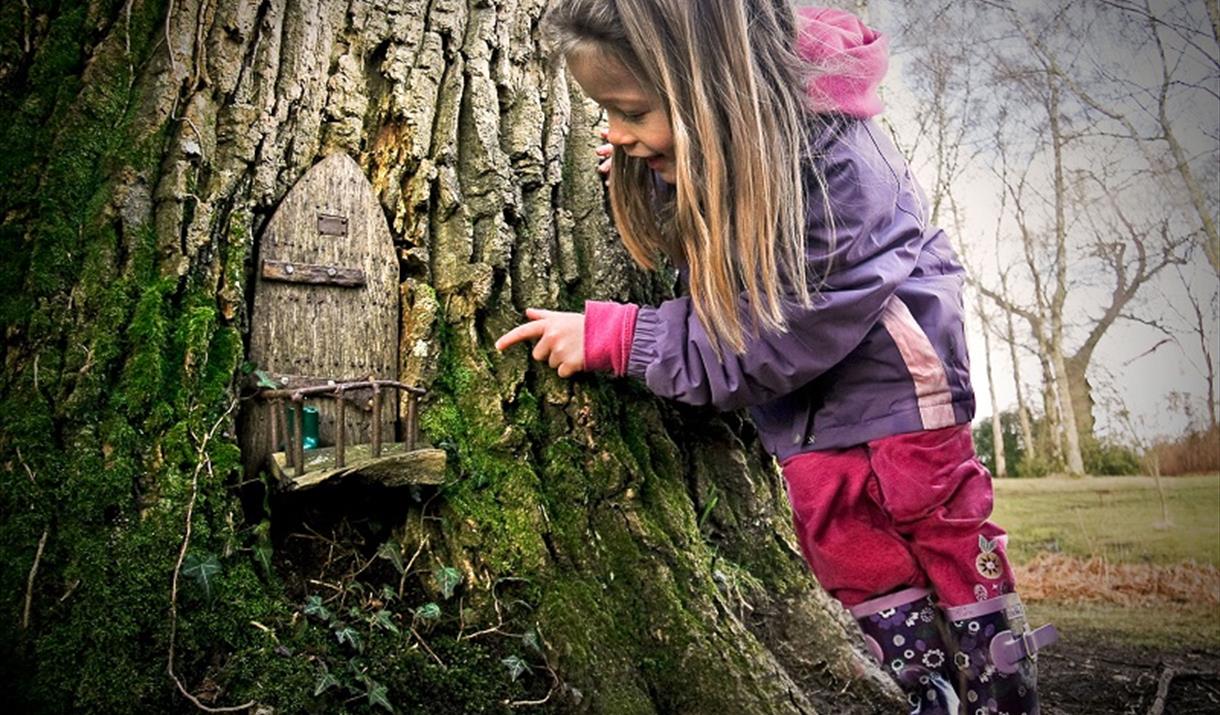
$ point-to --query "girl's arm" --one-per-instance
(877, 240)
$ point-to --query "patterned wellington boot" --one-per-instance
(904, 632)
(995, 654)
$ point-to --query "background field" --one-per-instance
(1095, 555)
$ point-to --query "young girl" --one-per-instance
(818, 298)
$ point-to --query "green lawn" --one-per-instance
(1120, 520)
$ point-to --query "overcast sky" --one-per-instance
(1134, 363)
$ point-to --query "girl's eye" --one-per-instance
(632, 117)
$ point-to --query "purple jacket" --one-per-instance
(882, 351)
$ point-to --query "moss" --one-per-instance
(489, 485)
(121, 374)
(134, 369)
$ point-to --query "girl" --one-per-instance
(819, 299)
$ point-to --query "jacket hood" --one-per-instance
(848, 61)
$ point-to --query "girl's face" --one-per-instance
(639, 123)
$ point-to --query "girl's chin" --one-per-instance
(662, 167)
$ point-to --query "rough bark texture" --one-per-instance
(594, 550)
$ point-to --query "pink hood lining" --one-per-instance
(849, 59)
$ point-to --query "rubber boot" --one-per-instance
(904, 631)
(995, 654)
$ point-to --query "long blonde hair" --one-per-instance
(729, 76)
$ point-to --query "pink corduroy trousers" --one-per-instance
(906, 510)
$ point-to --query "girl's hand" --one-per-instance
(560, 336)
(604, 152)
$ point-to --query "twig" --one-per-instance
(331, 586)
(28, 471)
(29, 586)
(26, 46)
(1162, 691)
(420, 638)
(71, 589)
(554, 676)
(402, 579)
(499, 619)
(169, 45)
(202, 460)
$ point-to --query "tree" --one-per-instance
(595, 548)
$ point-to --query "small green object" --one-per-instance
(310, 437)
(515, 666)
(448, 578)
(202, 569)
(311, 427)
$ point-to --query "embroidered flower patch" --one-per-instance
(988, 561)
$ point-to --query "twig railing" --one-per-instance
(294, 450)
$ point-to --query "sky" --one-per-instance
(1135, 365)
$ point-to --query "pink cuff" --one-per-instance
(609, 330)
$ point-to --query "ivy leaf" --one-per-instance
(390, 552)
(515, 666)
(428, 612)
(263, 550)
(262, 554)
(201, 570)
(347, 634)
(532, 641)
(383, 619)
(379, 695)
(448, 579)
(314, 607)
(326, 682)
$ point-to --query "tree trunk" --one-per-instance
(1027, 432)
(1081, 392)
(1071, 434)
(1050, 404)
(594, 549)
(997, 429)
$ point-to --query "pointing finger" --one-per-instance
(538, 313)
(526, 331)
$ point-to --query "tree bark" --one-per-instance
(1071, 433)
(1027, 432)
(632, 556)
(997, 430)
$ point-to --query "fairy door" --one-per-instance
(325, 302)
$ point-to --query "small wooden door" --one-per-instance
(325, 302)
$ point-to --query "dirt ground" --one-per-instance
(1085, 673)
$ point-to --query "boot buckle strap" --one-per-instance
(1008, 650)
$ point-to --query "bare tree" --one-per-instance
(1161, 102)
(1131, 256)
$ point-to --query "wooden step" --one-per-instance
(395, 467)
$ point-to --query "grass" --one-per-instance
(1120, 520)
(1176, 629)
(1117, 518)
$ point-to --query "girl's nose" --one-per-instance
(619, 135)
